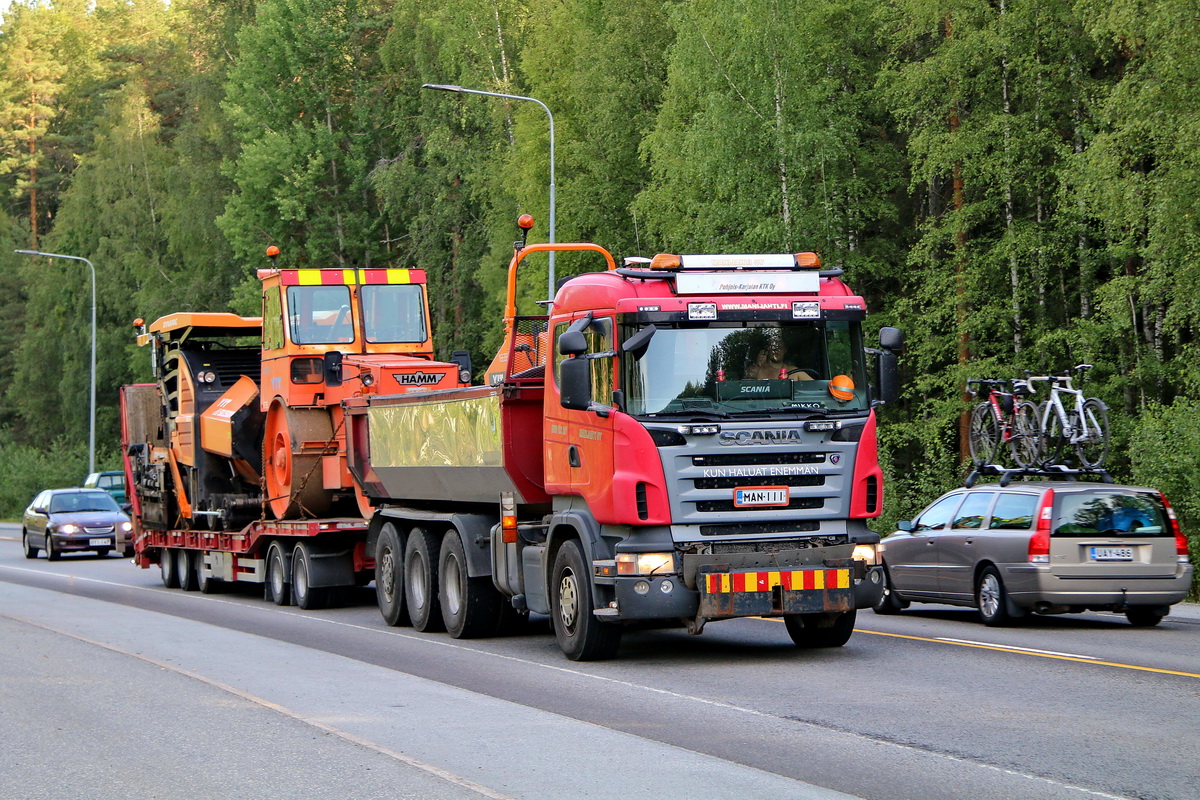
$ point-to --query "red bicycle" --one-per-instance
(1003, 416)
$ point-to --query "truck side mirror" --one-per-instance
(636, 345)
(889, 377)
(572, 343)
(891, 339)
(333, 368)
(575, 382)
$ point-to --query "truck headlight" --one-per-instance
(645, 563)
(867, 553)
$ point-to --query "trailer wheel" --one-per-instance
(421, 581)
(207, 584)
(820, 630)
(389, 576)
(277, 589)
(185, 569)
(307, 597)
(470, 606)
(166, 569)
(581, 636)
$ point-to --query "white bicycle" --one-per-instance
(1083, 425)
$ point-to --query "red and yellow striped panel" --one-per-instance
(349, 277)
(791, 580)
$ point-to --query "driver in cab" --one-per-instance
(772, 362)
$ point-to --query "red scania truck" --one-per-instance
(689, 438)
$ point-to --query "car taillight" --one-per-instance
(1181, 542)
(1039, 543)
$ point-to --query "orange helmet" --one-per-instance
(842, 387)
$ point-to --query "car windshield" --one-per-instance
(747, 367)
(82, 501)
(1109, 512)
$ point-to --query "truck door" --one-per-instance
(579, 444)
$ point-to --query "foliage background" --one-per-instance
(1012, 182)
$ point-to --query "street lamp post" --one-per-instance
(92, 425)
(460, 90)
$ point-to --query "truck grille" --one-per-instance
(760, 528)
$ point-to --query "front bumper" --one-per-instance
(69, 543)
(748, 593)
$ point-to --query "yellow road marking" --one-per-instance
(1025, 652)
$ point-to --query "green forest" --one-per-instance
(1013, 183)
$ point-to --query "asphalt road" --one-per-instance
(112, 686)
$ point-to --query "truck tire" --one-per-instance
(580, 635)
(421, 581)
(389, 576)
(207, 584)
(166, 569)
(278, 587)
(470, 606)
(306, 596)
(185, 568)
(820, 630)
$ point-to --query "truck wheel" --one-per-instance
(389, 576)
(205, 583)
(470, 606)
(581, 636)
(820, 630)
(185, 568)
(307, 597)
(421, 581)
(166, 569)
(277, 589)
(30, 550)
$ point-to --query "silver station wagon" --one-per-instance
(1042, 547)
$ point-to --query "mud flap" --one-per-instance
(724, 595)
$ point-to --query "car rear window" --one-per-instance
(1014, 512)
(1109, 512)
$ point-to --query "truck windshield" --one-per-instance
(320, 314)
(393, 313)
(747, 367)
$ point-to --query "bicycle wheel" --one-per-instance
(1024, 444)
(1052, 438)
(1093, 448)
(983, 435)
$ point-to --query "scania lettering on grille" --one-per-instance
(760, 437)
(417, 378)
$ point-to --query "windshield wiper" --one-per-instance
(691, 412)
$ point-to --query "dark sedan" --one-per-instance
(70, 520)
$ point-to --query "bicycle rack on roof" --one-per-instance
(1046, 471)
